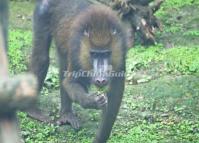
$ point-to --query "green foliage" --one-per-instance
(182, 60)
(21, 14)
(159, 133)
(186, 61)
(180, 22)
(179, 3)
(175, 4)
(19, 43)
(52, 78)
(35, 132)
(193, 33)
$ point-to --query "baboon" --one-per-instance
(88, 38)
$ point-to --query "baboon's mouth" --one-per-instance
(102, 89)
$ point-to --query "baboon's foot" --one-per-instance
(69, 118)
(38, 115)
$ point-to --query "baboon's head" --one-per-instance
(101, 43)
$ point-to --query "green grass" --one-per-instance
(180, 59)
(19, 47)
(180, 22)
(21, 14)
(161, 100)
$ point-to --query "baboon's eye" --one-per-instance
(94, 54)
(107, 53)
(86, 33)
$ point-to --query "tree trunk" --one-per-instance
(140, 15)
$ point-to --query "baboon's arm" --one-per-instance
(78, 94)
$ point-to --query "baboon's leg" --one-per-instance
(79, 95)
(41, 43)
(111, 111)
(66, 113)
(40, 53)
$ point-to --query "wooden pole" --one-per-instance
(15, 93)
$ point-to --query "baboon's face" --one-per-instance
(101, 52)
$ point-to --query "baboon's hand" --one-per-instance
(97, 101)
(101, 101)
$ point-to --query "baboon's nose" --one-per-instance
(101, 82)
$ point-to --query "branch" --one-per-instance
(17, 93)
